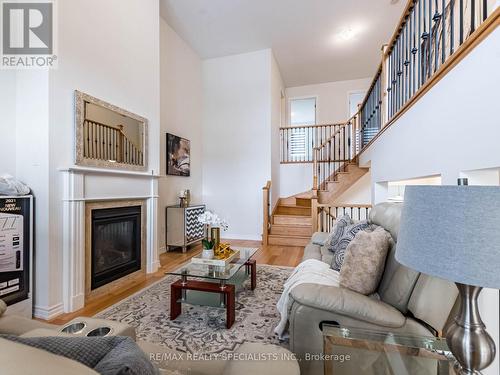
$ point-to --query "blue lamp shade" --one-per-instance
(452, 232)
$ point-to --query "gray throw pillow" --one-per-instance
(347, 237)
(3, 307)
(364, 261)
(337, 232)
(112, 355)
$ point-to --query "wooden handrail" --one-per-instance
(338, 130)
(106, 142)
(356, 211)
(459, 50)
(372, 84)
(395, 87)
(308, 126)
(329, 205)
(117, 128)
(486, 28)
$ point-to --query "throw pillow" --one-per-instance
(338, 231)
(364, 261)
(111, 355)
(3, 307)
(347, 237)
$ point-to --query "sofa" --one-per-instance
(406, 301)
(16, 358)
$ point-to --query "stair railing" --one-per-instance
(430, 39)
(298, 142)
(266, 200)
(334, 154)
(105, 142)
(328, 214)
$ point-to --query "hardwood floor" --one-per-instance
(273, 255)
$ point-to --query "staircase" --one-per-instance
(340, 181)
(291, 223)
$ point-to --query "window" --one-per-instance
(302, 112)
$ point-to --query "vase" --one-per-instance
(215, 236)
(207, 254)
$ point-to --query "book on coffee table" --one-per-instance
(219, 262)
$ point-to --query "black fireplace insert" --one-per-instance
(116, 244)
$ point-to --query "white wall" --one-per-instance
(332, 106)
(359, 193)
(115, 57)
(8, 122)
(277, 91)
(181, 114)
(237, 139)
(448, 131)
(32, 167)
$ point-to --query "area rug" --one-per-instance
(201, 329)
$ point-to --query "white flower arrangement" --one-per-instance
(212, 219)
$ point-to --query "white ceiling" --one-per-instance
(305, 35)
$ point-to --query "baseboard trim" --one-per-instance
(48, 313)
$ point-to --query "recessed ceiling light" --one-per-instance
(394, 2)
(347, 34)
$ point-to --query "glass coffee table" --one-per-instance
(213, 281)
(360, 351)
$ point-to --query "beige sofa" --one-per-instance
(21, 359)
(407, 301)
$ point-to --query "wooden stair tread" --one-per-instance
(285, 236)
(289, 216)
(293, 225)
(288, 240)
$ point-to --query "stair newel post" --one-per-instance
(314, 211)
(267, 212)
(315, 168)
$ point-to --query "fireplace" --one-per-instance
(115, 244)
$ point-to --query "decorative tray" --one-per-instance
(215, 261)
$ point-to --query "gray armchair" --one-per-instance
(406, 301)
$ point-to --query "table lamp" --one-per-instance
(453, 233)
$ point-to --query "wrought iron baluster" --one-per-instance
(436, 18)
(443, 31)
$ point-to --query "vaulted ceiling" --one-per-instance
(313, 41)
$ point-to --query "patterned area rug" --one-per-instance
(201, 329)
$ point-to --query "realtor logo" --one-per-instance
(27, 34)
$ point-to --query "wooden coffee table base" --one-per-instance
(227, 291)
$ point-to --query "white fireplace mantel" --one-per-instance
(81, 185)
